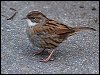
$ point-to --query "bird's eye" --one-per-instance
(33, 18)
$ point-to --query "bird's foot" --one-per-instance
(48, 58)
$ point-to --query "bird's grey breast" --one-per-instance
(34, 38)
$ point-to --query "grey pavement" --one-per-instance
(79, 54)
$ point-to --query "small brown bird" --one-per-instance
(46, 33)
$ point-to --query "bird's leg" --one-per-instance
(46, 51)
(48, 58)
(38, 52)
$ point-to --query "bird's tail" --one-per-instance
(76, 29)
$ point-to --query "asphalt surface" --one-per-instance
(79, 54)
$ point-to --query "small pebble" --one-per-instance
(96, 20)
(81, 6)
(93, 8)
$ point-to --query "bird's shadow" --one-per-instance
(29, 50)
(69, 51)
(65, 53)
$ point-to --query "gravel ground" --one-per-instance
(79, 54)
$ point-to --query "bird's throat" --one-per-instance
(30, 24)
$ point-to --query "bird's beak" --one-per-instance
(24, 18)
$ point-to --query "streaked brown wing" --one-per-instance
(57, 28)
(52, 34)
(52, 27)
